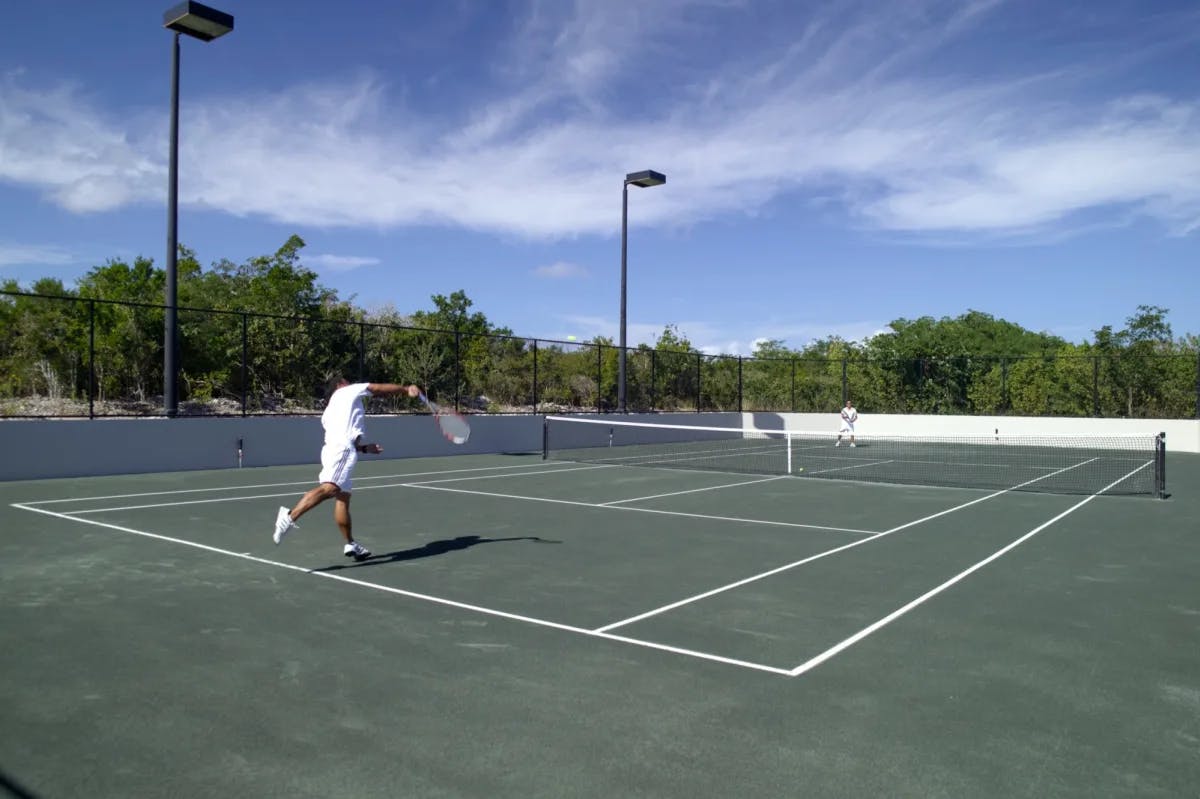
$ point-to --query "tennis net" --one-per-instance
(1055, 464)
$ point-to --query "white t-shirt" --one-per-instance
(343, 417)
(849, 417)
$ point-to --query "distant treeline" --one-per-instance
(263, 336)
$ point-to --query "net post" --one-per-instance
(1160, 465)
(545, 439)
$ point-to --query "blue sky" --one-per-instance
(831, 166)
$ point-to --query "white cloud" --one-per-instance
(338, 263)
(848, 108)
(712, 338)
(560, 270)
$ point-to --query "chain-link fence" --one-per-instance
(78, 357)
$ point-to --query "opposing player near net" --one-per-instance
(849, 417)
(344, 423)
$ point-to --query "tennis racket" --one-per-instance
(453, 426)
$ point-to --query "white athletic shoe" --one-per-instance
(838, 444)
(853, 444)
(356, 551)
(283, 524)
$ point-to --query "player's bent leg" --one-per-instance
(314, 497)
(341, 515)
(285, 520)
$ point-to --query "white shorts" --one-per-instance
(337, 463)
(847, 427)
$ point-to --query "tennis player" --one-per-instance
(849, 417)
(343, 421)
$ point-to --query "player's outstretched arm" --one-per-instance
(385, 389)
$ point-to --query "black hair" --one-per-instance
(332, 385)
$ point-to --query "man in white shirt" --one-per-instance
(849, 417)
(344, 425)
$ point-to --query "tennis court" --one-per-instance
(555, 628)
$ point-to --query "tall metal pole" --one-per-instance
(171, 333)
(624, 252)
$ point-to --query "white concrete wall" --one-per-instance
(42, 448)
(1182, 435)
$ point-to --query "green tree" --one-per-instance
(677, 371)
(1144, 371)
(767, 377)
(44, 344)
(129, 336)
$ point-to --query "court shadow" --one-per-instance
(14, 788)
(432, 549)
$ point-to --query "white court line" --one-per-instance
(294, 493)
(76, 514)
(423, 597)
(522, 474)
(856, 466)
(429, 487)
(693, 490)
(280, 485)
(755, 577)
(812, 663)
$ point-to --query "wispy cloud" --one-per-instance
(560, 270)
(871, 105)
(34, 255)
(339, 263)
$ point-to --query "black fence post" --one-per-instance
(654, 382)
(740, 405)
(845, 382)
(599, 378)
(457, 368)
(1004, 385)
(1095, 385)
(245, 356)
(1198, 384)
(535, 376)
(362, 352)
(91, 359)
(793, 403)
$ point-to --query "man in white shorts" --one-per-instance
(343, 421)
(849, 417)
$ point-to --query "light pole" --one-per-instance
(203, 23)
(644, 179)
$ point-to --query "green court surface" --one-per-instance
(550, 629)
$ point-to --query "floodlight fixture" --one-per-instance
(198, 21)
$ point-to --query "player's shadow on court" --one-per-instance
(433, 549)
